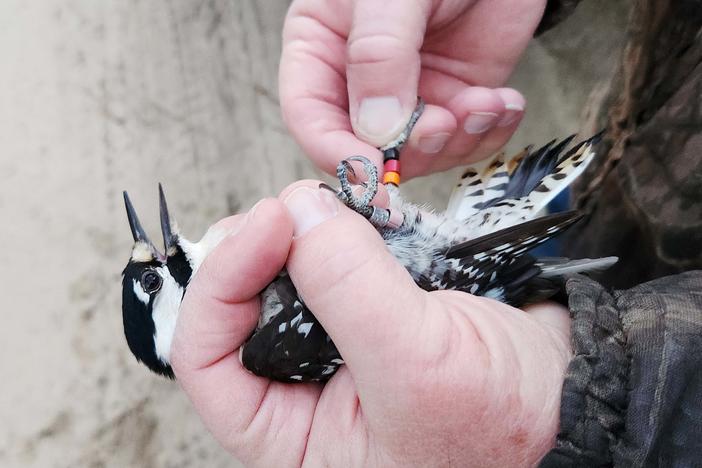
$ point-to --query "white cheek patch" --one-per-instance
(140, 293)
(165, 314)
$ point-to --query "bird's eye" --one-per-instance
(150, 281)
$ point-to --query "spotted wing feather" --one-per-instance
(291, 346)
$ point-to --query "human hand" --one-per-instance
(357, 66)
(430, 378)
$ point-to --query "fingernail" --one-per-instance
(432, 144)
(479, 122)
(380, 118)
(252, 211)
(310, 207)
(512, 113)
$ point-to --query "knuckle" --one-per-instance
(376, 48)
(208, 279)
(342, 267)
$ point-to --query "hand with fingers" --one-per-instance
(431, 378)
(351, 71)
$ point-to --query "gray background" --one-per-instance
(101, 96)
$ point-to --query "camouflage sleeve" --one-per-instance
(556, 11)
(633, 391)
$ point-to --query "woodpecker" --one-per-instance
(480, 245)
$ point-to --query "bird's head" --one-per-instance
(153, 285)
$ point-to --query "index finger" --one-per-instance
(313, 94)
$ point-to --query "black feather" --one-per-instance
(530, 171)
(281, 350)
(514, 234)
(500, 259)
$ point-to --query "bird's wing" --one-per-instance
(508, 191)
(499, 260)
(291, 346)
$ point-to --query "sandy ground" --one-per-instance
(98, 97)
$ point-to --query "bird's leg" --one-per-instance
(379, 217)
(402, 138)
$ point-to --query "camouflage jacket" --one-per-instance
(633, 391)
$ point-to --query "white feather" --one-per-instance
(140, 293)
(165, 313)
(582, 265)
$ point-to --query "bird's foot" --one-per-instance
(347, 179)
(359, 195)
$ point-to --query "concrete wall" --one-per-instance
(101, 96)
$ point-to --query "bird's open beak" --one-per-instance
(138, 232)
(170, 238)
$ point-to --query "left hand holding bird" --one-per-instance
(430, 377)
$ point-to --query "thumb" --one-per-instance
(383, 66)
(343, 271)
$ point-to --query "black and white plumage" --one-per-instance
(479, 245)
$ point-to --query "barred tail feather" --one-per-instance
(505, 192)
